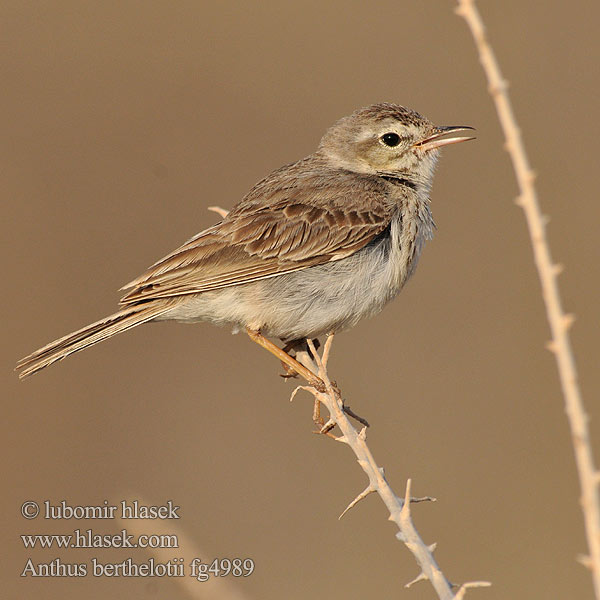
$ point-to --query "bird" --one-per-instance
(311, 249)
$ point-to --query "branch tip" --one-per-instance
(327, 349)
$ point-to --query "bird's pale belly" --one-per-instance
(313, 301)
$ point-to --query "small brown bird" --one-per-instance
(312, 248)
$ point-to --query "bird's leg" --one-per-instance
(261, 340)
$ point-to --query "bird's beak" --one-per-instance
(437, 140)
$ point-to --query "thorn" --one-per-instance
(406, 503)
(519, 201)
(461, 593)
(363, 434)
(545, 220)
(498, 88)
(586, 561)
(551, 345)
(432, 547)
(471, 584)
(531, 176)
(298, 388)
(368, 490)
(220, 211)
(399, 536)
(568, 321)
(420, 577)
(341, 438)
(557, 269)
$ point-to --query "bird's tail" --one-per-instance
(92, 334)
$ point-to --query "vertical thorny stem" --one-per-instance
(548, 271)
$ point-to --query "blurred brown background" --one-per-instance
(122, 121)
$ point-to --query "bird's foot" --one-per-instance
(289, 373)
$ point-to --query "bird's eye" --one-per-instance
(390, 139)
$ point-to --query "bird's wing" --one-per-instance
(284, 224)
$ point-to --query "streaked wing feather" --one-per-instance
(289, 221)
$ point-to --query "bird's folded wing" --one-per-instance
(293, 227)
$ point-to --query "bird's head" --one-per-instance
(387, 139)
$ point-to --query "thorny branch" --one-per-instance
(559, 321)
(329, 395)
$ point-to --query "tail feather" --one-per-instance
(87, 336)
